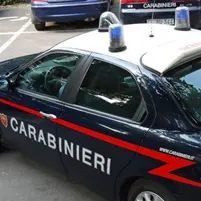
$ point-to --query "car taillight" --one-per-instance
(133, 1)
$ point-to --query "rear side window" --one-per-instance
(110, 89)
(186, 83)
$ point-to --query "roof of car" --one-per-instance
(168, 47)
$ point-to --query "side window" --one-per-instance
(110, 89)
(48, 75)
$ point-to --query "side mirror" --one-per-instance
(4, 85)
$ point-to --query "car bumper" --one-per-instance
(129, 16)
(68, 11)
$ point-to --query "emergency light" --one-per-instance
(117, 43)
(182, 19)
(106, 19)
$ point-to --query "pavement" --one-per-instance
(24, 180)
(19, 37)
(20, 178)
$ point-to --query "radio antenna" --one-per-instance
(152, 17)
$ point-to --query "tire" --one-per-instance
(152, 189)
(40, 26)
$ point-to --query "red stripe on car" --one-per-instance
(172, 163)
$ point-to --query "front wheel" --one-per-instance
(143, 190)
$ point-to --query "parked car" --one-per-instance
(142, 11)
(65, 10)
(119, 112)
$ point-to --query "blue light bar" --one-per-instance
(182, 18)
(116, 32)
(116, 38)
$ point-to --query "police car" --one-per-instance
(157, 11)
(120, 116)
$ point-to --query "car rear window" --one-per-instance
(185, 84)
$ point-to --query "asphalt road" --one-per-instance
(20, 178)
(18, 36)
(24, 180)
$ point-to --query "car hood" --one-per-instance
(12, 64)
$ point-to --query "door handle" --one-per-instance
(49, 116)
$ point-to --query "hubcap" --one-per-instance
(148, 196)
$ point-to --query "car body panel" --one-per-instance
(22, 123)
(67, 11)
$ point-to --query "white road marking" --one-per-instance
(15, 35)
(19, 19)
(25, 32)
(8, 18)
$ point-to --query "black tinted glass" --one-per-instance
(111, 89)
(49, 75)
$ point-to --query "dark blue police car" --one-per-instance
(121, 118)
(65, 10)
(144, 11)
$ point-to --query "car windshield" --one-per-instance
(186, 86)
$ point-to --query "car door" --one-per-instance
(34, 101)
(101, 128)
